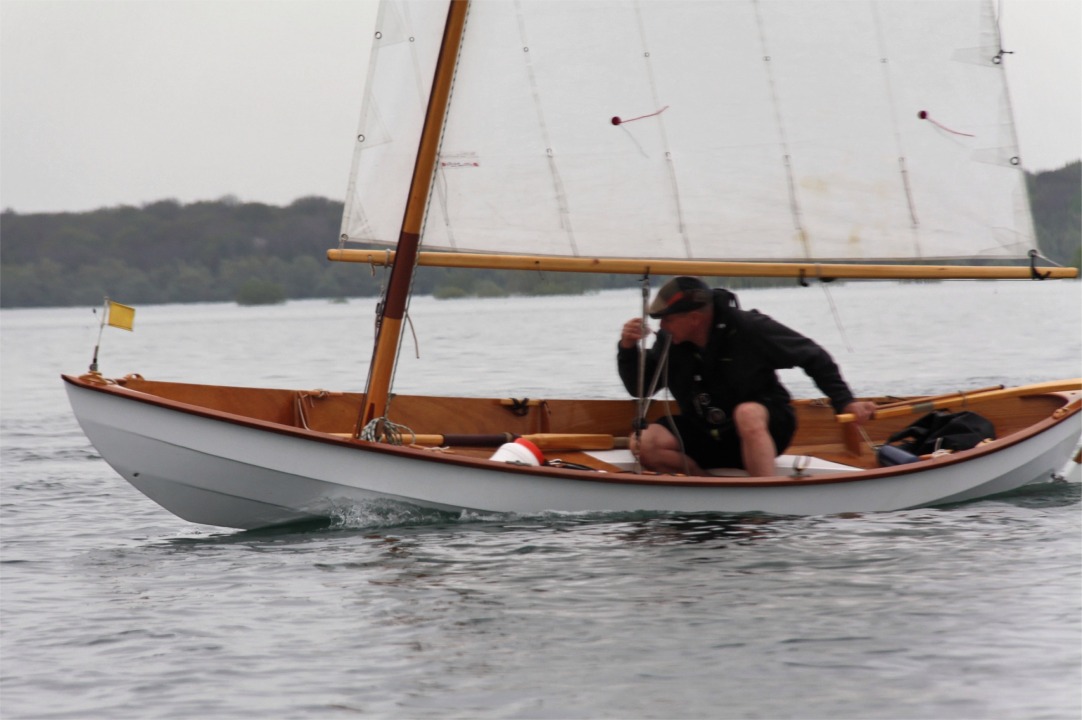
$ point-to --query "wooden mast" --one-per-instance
(398, 289)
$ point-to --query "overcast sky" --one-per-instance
(111, 102)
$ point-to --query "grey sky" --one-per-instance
(110, 102)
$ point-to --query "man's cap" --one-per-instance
(681, 294)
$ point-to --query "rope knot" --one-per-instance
(383, 430)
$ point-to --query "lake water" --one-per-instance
(113, 608)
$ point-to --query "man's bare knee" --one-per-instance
(751, 416)
(660, 450)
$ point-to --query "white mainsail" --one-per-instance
(750, 130)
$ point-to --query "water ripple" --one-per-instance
(112, 608)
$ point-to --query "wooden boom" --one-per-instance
(709, 268)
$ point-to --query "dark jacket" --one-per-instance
(738, 364)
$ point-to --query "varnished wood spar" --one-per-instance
(544, 441)
(708, 268)
(398, 286)
(924, 406)
(956, 395)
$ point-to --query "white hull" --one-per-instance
(243, 474)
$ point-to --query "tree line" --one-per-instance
(1056, 198)
(217, 251)
(251, 253)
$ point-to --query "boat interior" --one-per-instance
(584, 433)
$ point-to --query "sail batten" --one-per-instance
(770, 130)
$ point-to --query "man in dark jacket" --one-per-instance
(721, 371)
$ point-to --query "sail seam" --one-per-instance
(550, 152)
(1025, 213)
(794, 203)
(903, 168)
(669, 162)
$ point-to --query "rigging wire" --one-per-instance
(378, 326)
(646, 393)
(837, 317)
(640, 419)
(645, 398)
(668, 406)
(830, 300)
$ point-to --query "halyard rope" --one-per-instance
(383, 430)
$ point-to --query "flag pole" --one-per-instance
(101, 327)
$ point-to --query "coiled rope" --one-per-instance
(383, 430)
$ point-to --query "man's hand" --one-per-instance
(631, 333)
(861, 410)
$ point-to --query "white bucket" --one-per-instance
(519, 452)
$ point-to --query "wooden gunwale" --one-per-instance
(1072, 405)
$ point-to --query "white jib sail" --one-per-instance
(748, 130)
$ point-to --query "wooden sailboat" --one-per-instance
(709, 138)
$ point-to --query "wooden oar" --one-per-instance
(957, 394)
(545, 441)
(924, 406)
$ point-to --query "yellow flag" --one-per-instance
(121, 316)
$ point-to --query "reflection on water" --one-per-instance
(385, 520)
(716, 530)
(1044, 495)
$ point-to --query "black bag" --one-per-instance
(942, 430)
